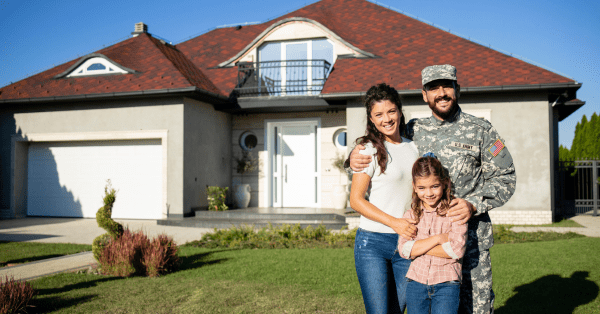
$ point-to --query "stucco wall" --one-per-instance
(330, 122)
(523, 120)
(117, 116)
(207, 152)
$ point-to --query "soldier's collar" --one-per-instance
(453, 118)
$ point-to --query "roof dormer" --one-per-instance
(295, 29)
(94, 64)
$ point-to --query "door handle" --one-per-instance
(285, 173)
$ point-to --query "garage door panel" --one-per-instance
(68, 179)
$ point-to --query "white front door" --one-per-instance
(294, 164)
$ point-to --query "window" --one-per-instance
(339, 139)
(248, 141)
(296, 67)
(96, 66)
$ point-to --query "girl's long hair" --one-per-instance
(375, 94)
(422, 168)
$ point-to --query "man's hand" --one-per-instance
(405, 227)
(358, 161)
(460, 210)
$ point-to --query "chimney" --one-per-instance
(140, 28)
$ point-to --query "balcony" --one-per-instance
(281, 78)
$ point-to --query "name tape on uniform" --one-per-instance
(463, 146)
(496, 148)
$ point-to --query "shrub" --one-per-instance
(216, 198)
(285, 236)
(160, 256)
(123, 256)
(104, 220)
(14, 295)
(134, 254)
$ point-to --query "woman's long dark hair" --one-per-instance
(375, 94)
(431, 166)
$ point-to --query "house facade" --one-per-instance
(163, 121)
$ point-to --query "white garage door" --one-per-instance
(67, 179)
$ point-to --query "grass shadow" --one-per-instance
(200, 260)
(52, 304)
(76, 286)
(552, 294)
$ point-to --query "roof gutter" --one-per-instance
(193, 91)
(463, 90)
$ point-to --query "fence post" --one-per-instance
(595, 186)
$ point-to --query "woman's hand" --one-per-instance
(405, 227)
(358, 161)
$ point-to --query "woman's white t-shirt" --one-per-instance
(391, 191)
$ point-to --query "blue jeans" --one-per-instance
(381, 271)
(441, 298)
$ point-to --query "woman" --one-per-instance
(380, 269)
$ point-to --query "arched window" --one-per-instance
(96, 66)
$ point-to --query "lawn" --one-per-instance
(23, 252)
(559, 276)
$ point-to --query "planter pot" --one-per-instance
(340, 196)
(242, 195)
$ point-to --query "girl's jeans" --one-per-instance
(381, 271)
(441, 298)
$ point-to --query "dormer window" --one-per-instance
(292, 57)
(96, 66)
(295, 67)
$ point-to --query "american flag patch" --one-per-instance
(496, 148)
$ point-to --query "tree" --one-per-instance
(586, 143)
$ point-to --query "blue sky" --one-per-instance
(558, 35)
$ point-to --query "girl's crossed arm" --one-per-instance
(445, 245)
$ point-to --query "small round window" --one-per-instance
(248, 141)
(339, 138)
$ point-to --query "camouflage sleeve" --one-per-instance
(498, 172)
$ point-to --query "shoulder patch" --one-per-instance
(496, 148)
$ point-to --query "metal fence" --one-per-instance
(282, 78)
(578, 189)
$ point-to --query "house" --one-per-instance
(163, 121)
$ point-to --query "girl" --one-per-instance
(434, 275)
(380, 269)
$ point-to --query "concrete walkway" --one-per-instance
(83, 231)
(591, 226)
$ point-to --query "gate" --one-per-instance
(577, 188)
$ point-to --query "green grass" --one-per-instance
(547, 277)
(23, 252)
(533, 277)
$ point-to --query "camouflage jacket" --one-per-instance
(480, 166)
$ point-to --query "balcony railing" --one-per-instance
(281, 78)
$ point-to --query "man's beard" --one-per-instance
(444, 114)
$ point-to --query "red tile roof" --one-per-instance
(402, 45)
(158, 66)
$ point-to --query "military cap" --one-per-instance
(438, 72)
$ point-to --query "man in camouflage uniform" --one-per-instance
(482, 173)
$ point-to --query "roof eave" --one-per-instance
(192, 92)
(574, 86)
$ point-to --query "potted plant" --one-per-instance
(246, 163)
(340, 193)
